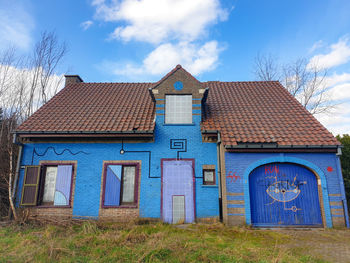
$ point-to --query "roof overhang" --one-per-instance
(99, 134)
(274, 147)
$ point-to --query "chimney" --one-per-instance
(71, 79)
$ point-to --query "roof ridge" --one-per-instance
(178, 66)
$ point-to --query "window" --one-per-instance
(178, 109)
(209, 177)
(47, 185)
(120, 185)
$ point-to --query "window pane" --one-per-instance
(63, 184)
(209, 176)
(112, 185)
(178, 109)
(128, 184)
(50, 184)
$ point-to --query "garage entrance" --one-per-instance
(284, 194)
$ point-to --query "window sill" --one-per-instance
(179, 124)
(209, 185)
(53, 206)
(121, 206)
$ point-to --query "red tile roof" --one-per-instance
(243, 112)
(260, 112)
(96, 107)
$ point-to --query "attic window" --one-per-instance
(178, 109)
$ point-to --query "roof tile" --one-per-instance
(260, 112)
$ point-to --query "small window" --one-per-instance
(178, 109)
(209, 177)
(48, 185)
(120, 185)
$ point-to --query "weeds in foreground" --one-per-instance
(144, 241)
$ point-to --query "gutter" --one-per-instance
(85, 132)
(219, 173)
(342, 189)
(219, 163)
(276, 146)
(39, 134)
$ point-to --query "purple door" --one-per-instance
(177, 181)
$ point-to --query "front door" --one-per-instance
(177, 191)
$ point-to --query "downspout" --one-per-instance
(219, 174)
(342, 189)
(20, 148)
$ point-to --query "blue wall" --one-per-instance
(89, 168)
(241, 164)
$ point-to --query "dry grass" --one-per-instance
(146, 241)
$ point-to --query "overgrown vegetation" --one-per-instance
(158, 242)
(26, 83)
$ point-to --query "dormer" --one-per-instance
(178, 97)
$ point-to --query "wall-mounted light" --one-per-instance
(122, 151)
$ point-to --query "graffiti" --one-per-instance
(233, 176)
(284, 191)
(271, 169)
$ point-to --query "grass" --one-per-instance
(147, 242)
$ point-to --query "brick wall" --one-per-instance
(234, 200)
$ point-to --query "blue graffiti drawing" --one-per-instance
(284, 191)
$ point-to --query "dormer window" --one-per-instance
(178, 109)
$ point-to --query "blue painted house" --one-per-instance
(180, 150)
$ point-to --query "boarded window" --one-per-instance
(112, 185)
(63, 185)
(178, 109)
(209, 176)
(30, 185)
(119, 185)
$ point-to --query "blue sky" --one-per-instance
(130, 40)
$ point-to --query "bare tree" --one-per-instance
(48, 53)
(9, 110)
(24, 86)
(266, 67)
(304, 81)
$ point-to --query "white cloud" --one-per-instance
(341, 91)
(86, 24)
(15, 81)
(156, 21)
(195, 58)
(337, 79)
(316, 46)
(339, 54)
(177, 28)
(16, 25)
(337, 122)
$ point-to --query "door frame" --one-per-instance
(325, 207)
(319, 194)
(193, 182)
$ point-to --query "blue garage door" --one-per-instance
(283, 194)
